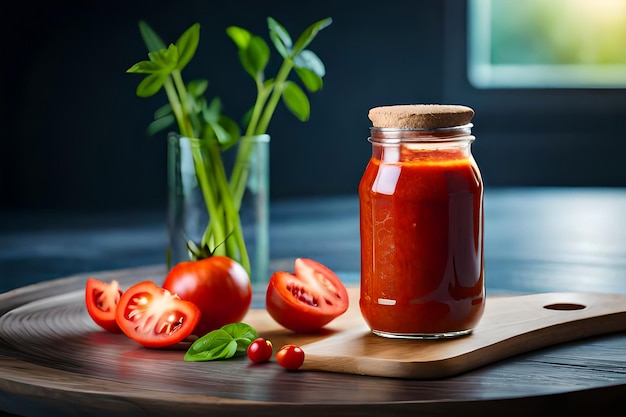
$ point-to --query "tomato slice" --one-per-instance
(308, 299)
(101, 299)
(155, 318)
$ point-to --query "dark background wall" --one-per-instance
(73, 132)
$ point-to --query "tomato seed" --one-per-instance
(302, 295)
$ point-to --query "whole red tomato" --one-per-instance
(218, 285)
(308, 299)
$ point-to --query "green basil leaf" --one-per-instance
(309, 34)
(220, 133)
(253, 50)
(150, 85)
(145, 67)
(218, 126)
(245, 63)
(211, 113)
(311, 80)
(296, 101)
(280, 47)
(239, 35)
(232, 129)
(230, 350)
(198, 103)
(187, 45)
(243, 335)
(309, 60)
(255, 57)
(151, 39)
(226, 342)
(166, 58)
(163, 111)
(280, 37)
(241, 331)
(197, 87)
(213, 345)
(223, 351)
(160, 124)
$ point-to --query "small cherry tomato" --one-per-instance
(101, 299)
(308, 299)
(290, 357)
(260, 350)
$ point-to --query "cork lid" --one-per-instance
(420, 116)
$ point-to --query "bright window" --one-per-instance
(547, 43)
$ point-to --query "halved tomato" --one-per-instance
(308, 299)
(155, 318)
(101, 299)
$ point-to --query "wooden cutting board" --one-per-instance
(510, 326)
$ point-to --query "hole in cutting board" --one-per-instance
(564, 306)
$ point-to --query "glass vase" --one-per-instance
(191, 162)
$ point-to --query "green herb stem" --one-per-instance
(263, 92)
(236, 246)
(187, 113)
(241, 169)
(172, 97)
(215, 232)
(257, 126)
(277, 92)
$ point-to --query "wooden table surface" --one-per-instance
(536, 240)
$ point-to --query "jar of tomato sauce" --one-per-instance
(421, 224)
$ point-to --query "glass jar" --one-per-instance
(189, 214)
(421, 225)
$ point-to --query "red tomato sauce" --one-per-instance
(422, 242)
